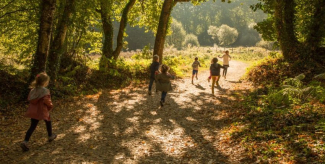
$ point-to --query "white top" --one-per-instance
(226, 59)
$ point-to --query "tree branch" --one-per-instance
(7, 4)
(12, 12)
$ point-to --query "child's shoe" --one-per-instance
(52, 137)
(161, 103)
(24, 146)
(149, 93)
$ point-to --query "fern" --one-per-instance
(320, 76)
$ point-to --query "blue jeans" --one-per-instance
(151, 83)
(163, 96)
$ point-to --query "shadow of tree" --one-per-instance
(128, 126)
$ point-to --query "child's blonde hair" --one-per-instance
(164, 68)
(41, 80)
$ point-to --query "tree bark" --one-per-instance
(44, 38)
(317, 31)
(284, 22)
(106, 12)
(57, 46)
(162, 28)
(123, 24)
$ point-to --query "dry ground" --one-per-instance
(128, 126)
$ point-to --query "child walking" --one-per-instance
(196, 64)
(153, 70)
(215, 73)
(40, 105)
(163, 83)
(226, 58)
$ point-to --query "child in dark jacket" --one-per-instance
(39, 108)
(153, 70)
(215, 73)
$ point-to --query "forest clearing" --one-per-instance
(162, 81)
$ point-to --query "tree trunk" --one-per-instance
(284, 22)
(123, 24)
(107, 51)
(44, 37)
(57, 46)
(162, 28)
(316, 30)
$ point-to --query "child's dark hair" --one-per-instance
(164, 68)
(196, 58)
(214, 60)
(40, 80)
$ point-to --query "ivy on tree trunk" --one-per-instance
(57, 46)
(284, 22)
(106, 13)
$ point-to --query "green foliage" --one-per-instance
(269, 71)
(225, 34)
(191, 40)
(283, 120)
(269, 45)
(145, 54)
(178, 35)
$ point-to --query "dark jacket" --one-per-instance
(215, 69)
(153, 68)
(163, 82)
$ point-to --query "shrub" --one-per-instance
(191, 40)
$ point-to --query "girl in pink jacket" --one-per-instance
(39, 107)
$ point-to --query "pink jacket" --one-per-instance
(40, 104)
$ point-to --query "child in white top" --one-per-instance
(226, 58)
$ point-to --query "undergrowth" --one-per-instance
(282, 121)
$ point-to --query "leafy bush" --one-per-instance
(192, 40)
(283, 121)
(265, 44)
(269, 71)
(178, 35)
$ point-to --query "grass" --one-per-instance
(84, 77)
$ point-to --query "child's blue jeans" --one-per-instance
(151, 83)
(163, 96)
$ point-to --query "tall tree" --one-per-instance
(299, 28)
(106, 7)
(44, 38)
(284, 22)
(163, 24)
(162, 27)
(123, 23)
(57, 45)
(107, 16)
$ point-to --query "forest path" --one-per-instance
(128, 126)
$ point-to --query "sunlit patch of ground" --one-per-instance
(128, 126)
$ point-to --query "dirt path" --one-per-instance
(128, 126)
